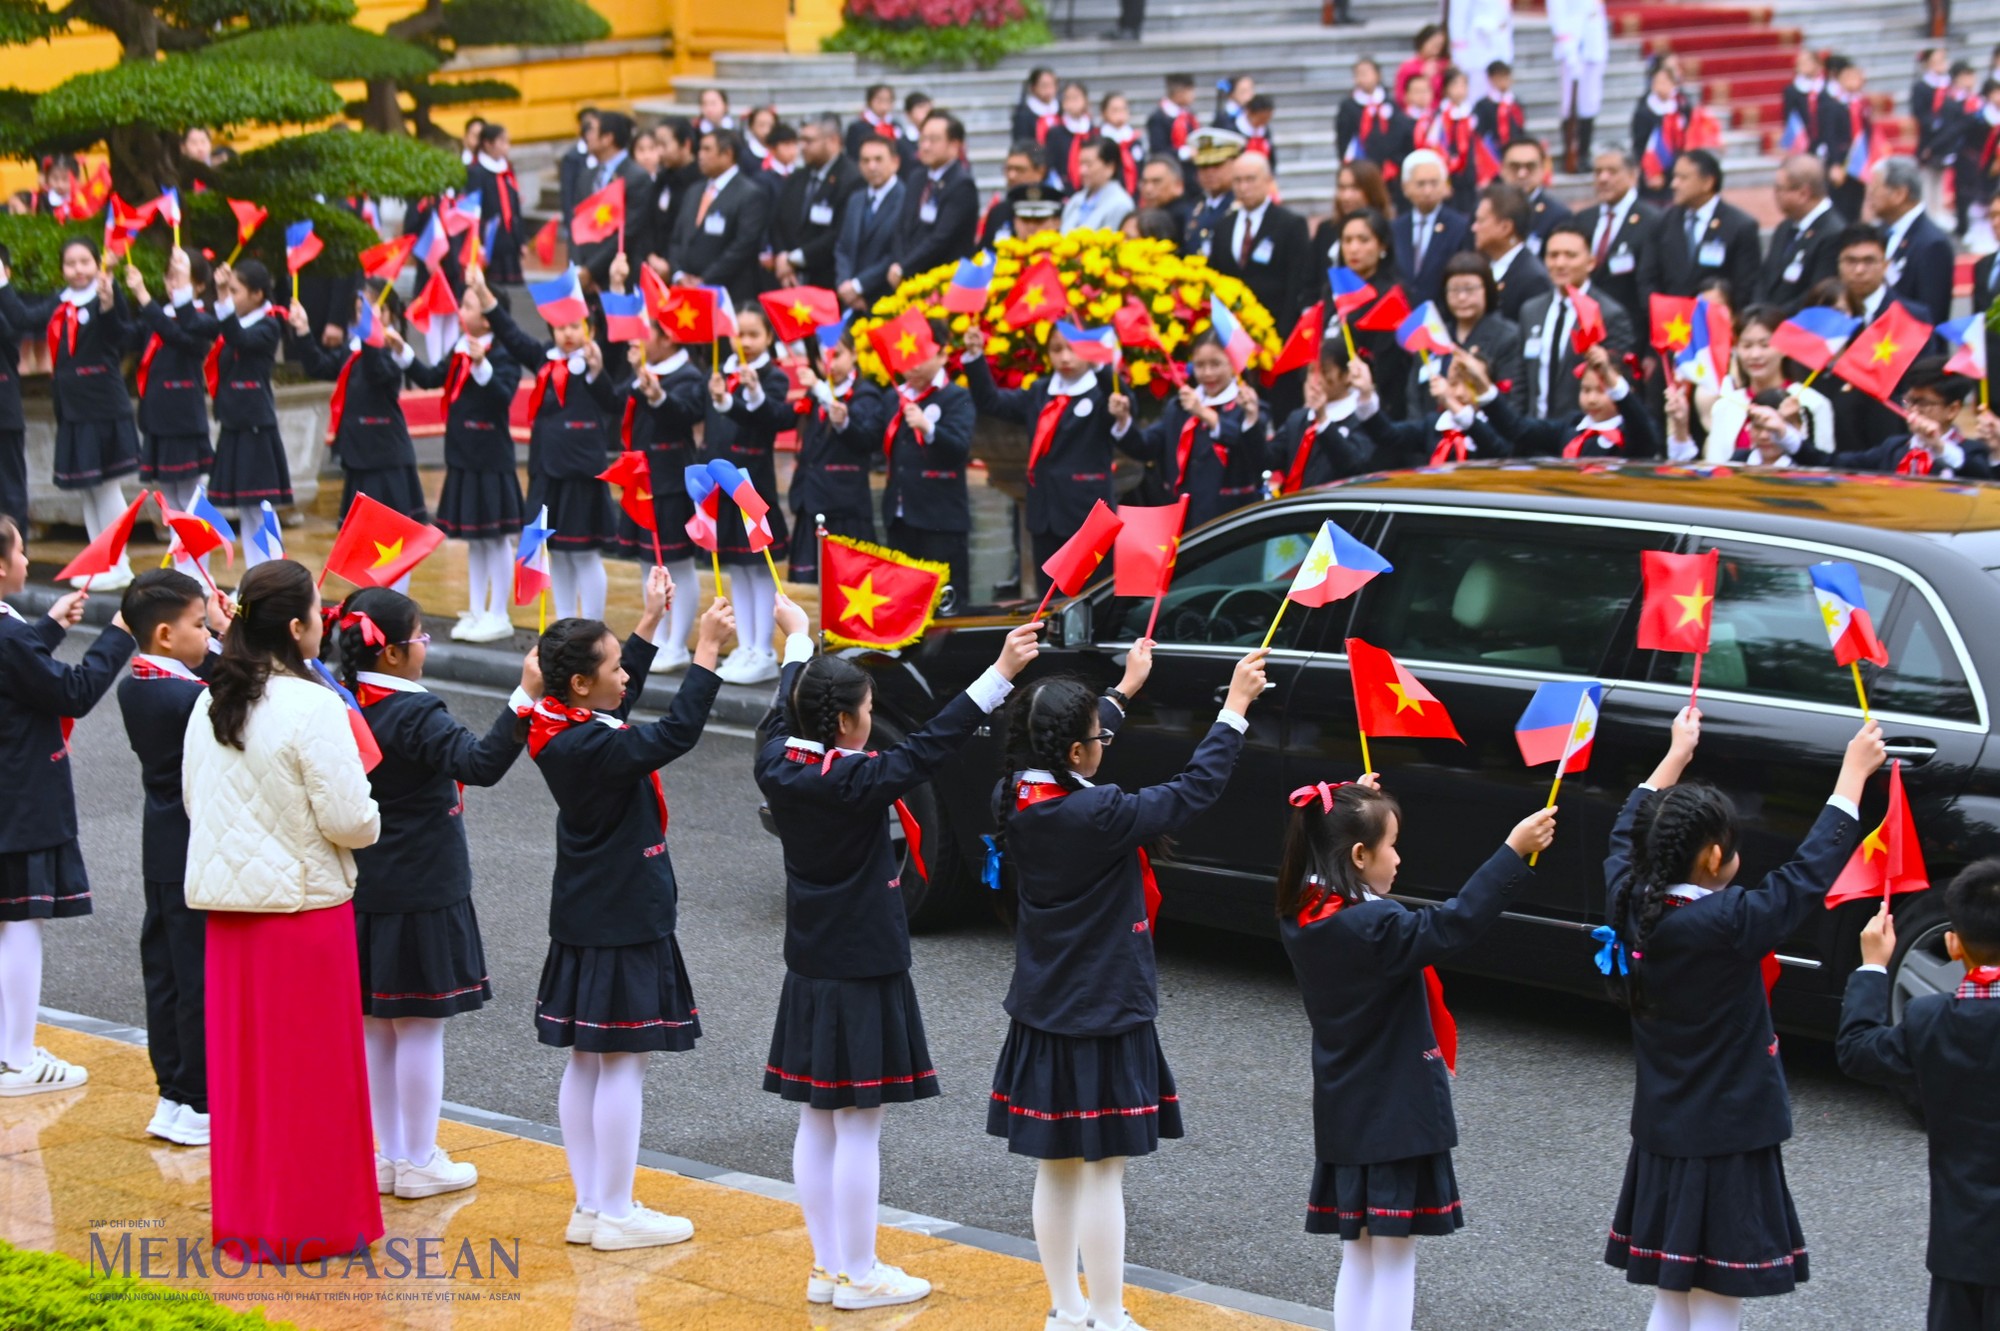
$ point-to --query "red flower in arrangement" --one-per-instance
(938, 13)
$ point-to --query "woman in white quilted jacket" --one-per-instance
(277, 800)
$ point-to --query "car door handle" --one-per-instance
(1222, 695)
(1915, 752)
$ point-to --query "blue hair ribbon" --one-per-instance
(990, 874)
(1611, 951)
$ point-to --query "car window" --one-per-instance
(1227, 588)
(1544, 596)
(1767, 638)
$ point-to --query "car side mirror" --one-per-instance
(1072, 626)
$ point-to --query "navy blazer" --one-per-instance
(37, 804)
(176, 396)
(1076, 471)
(922, 246)
(156, 710)
(1889, 454)
(243, 399)
(1928, 264)
(373, 434)
(1381, 1089)
(571, 437)
(867, 244)
(1451, 231)
(1532, 437)
(1338, 450)
(1667, 267)
(11, 335)
(1224, 472)
(89, 381)
(478, 424)
(830, 474)
(926, 486)
(1947, 1050)
(1709, 1080)
(727, 258)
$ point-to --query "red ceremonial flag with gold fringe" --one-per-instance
(874, 597)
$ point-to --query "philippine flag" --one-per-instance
(1350, 292)
(1704, 361)
(1844, 611)
(560, 300)
(1796, 139)
(301, 245)
(1560, 724)
(531, 559)
(433, 245)
(1337, 565)
(202, 508)
(1424, 331)
(707, 499)
(1814, 336)
(829, 335)
(269, 539)
(1967, 339)
(970, 282)
(364, 738)
(462, 215)
(1093, 346)
(168, 206)
(1227, 331)
(367, 327)
(733, 481)
(624, 316)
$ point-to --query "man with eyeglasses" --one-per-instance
(1859, 420)
(1525, 166)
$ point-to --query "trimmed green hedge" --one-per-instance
(52, 1292)
(335, 52)
(179, 92)
(34, 247)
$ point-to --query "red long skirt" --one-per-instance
(292, 1151)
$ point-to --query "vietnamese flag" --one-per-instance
(1389, 700)
(197, 535)
(1135, 327)
(688, 314)
(1589, 330)
(659, 297)
(107, 549)
(1877, 358)
(872, 597)
(1073, 565)
(634, 480)
(545, 243)
(387, 259)
(1038, 297)
(903, 341)
(1673, 323)
(1147, 545)
(248, 218)
(1302, 347)
(1387, 315)
(377, 545)
(799, 312)
(1680, 601)
(1889, 859)
(600, 215)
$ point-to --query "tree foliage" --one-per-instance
(523, 22)
(338, 163)
(34, 249)
(335, 52)
(179, 92)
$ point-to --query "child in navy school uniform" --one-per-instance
(87, 325)
(614, 987)
(747, 409)
(170, 618)
(665, 400)
(1934, 446)
(1322, 441)
(480, 502)
(840, 434)
(1947, 1051)
(1704, 1215)
(175, 337)
(365, 428)
(41, 866)
(849, 1038)
(1450, 431)
(1081, 1083)
(1384, 1048)
(1613, 423)
(1207, 442)
(573, 427)
(927, 443)
(250, 469)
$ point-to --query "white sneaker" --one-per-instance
(732, 663)
(45, 1072)
(385, 1174)
(163, 1120)
(819, 1286)
(671, 660)
(188, 1127)
(440, 1173)
(468, 624)
(1124, 1323)
(755, 667)
(582, 1224)
(1059, 1321)
(643, 1228)
(488, 628)
(882, 1287)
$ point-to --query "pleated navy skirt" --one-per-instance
(88, 453)
(1392, 1199)
(421, 963)
(44, 884)
(847, 1044)
(1723, 1223)
(250, 468)
(480, 505)
(398, 487)
(614, 1000)
(174, 457)
(733, 541)
(580, 510)
(1064, 1097)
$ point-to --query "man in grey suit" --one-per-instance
(867, 244)
(720, 232)
(1548, 323)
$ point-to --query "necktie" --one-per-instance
(1421, 240)
(1606, 225)
(1243, 250)
(701, 209)
(1694, 232)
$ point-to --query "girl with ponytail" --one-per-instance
(1704, 1215)
(415, 930)
(849, 1037)
(1081, 1083)
(1384, 1047)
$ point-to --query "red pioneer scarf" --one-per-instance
(550, 718)
(1034, 792)
(1443, 1026)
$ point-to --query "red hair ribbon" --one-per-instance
(371, 634)
(1304, 795)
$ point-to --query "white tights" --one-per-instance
(20, 989)
(405, 1083)
(672, 635)
(103, 505)
(837, 1163)
(1377, 1286)
(578, 584)
(1696, 1310)
(755, 600)
(489, 577)
(1080, 1208)
(599, 1107)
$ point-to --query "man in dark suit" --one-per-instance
(1431, 231)
(1548, 322)
(1264, 244)
(941, 212)
(573, 169)
(611, 149)
(867, 244)
(1525, 166)
(1859, 420)
(1920, 255)
(1500, 232)
(811, 202)
(675, 188)
(1802, 248)
(718, 238)
(1621, 229)
(1701, 236)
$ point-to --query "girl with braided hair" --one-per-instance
(1704, 1215)
(849, 1038)
(416, 933)
(1384, 1047)
(1081, 1083)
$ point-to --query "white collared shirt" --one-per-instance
(1247, 225)
(499, 166)
(1338, 410)
(750, 382)
(1076, 387)
(1506, 261)
(393, 683)
(260, 312)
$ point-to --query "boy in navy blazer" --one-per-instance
(1947, 1052)
(927, 443)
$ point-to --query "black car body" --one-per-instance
(1507, 575)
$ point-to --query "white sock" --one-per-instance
(1353, 1288)
(615, 1114)
(672, 635)
(378, 1038)
(574, 1111)
(562, 585)
(1101, 1237)
(1393, 1292)
(1670, 1311)
(500, 577)
(1713, 1312)
(419, 1083)
(812, 1173)
(1057, 1186)
(857, 1186)
(20, 989)
(478, 577)
(756, 607)
(593, 584)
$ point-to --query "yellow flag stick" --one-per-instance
(1347, 336)
(1367, 765)
(715, 561)
(1860, 692)
(772, 564)
(1553, 788)
(542, 613)
(1273, 632)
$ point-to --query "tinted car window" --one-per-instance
(1501, 592)
(1227, 588)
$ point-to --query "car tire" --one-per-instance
(1919, 965)
(938, 900)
